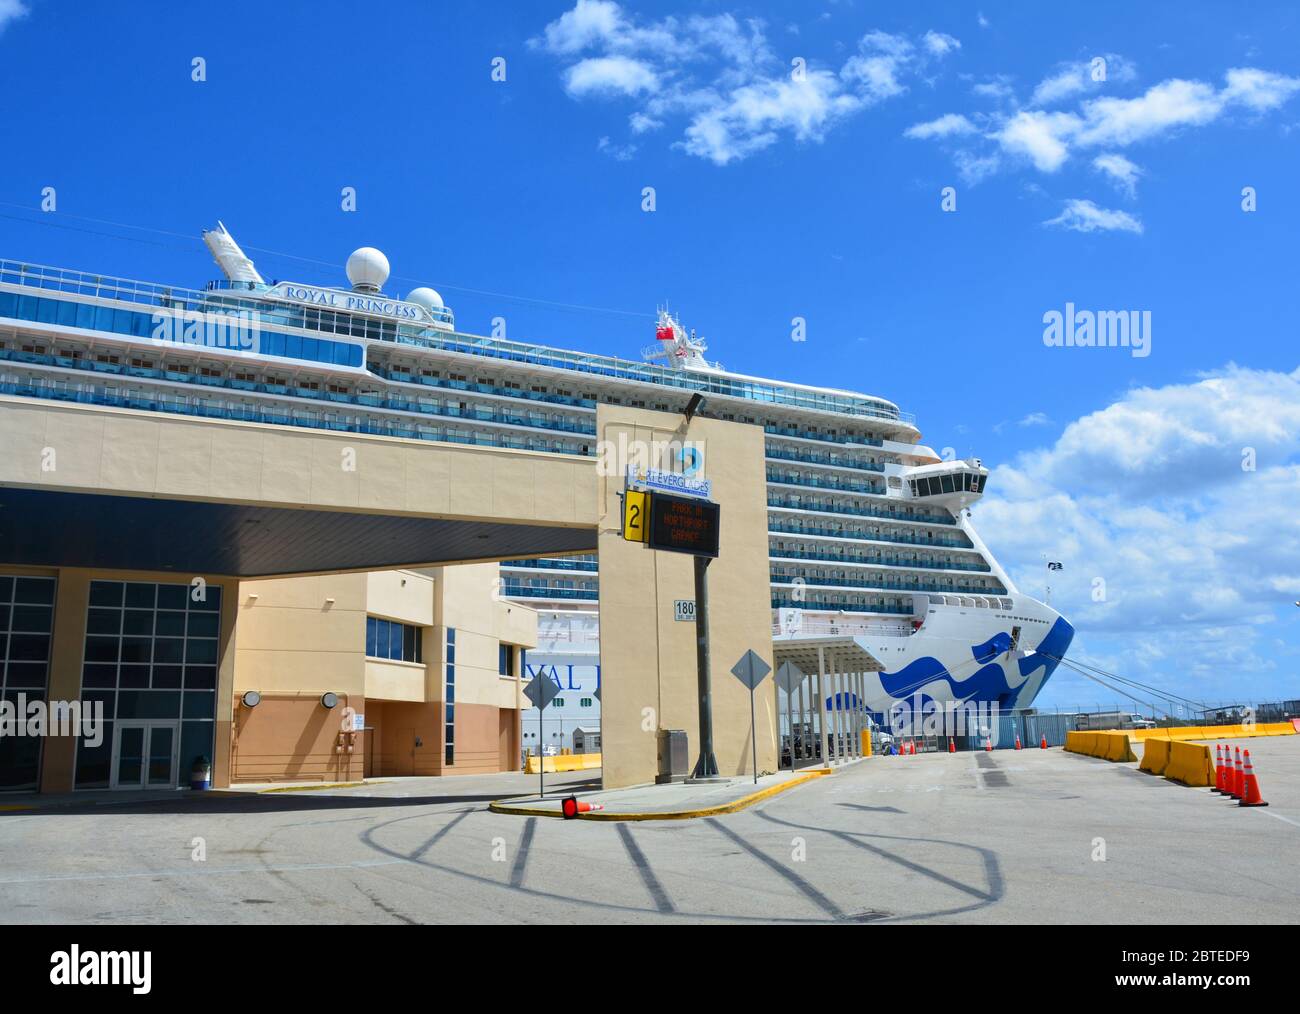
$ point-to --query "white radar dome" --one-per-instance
(425, 297)
(367, 269)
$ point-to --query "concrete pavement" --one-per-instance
(1007, 837)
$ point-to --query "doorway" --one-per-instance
(144, 754)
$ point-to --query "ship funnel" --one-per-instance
(231, 259)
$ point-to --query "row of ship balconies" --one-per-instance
(557, 564)
(782, 578)
(826, 481)
(825, 506)
(809, 528)
(776, 453)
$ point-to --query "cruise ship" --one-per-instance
(870, 531)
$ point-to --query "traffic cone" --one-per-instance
(571, 807)
(952, 747)
(1017, 741)
(988, 744)
(1236, 778)
(1251, 795)
(1219, 770)
(1043, 744)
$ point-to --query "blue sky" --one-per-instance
(782, 190)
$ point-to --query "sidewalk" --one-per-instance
(675, 801)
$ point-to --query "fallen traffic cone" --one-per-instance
(1235, 777)
(952, 747)
(1251, 795)
(571, 807)
(1017, 741)
(1219, 770)
(1043, 744)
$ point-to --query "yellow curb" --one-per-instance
(502, 806)
(11, 809)
(317, 788)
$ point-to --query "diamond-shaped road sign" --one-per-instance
(750, 670)
(541, 691)
(789, 676)
(596, 693)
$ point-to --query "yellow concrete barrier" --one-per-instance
(1155, 756)
(1189, 764)
(566, 762)
(1217, 731)
(1112, 746)
(1116, 746)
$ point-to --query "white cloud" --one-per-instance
(641, 123)
(1048, 138)
(983, 21)
(1035, 419)
(754, 114)
(720, 76)
(588, 24)
(12, 10)
(1042, 137)
(1123, 173)
(940, 44)
(618, 152)
(609, 75)
(1194, 553)
(877, 66)
(1084, 216)
(952, 124)
(1083, 76)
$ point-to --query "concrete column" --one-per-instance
(821, 704)
(71, 596)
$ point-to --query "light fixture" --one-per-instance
(251, 698)
(694, 405)
(329, 699)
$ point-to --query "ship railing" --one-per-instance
(821, 627)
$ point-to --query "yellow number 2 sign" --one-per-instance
(636, 507)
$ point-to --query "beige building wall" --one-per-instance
(300, 637)
(648, 659)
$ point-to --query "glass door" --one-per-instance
(144, 755)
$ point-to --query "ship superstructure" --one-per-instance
(869, 530)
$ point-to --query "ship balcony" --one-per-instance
(586, 566)
(878, 561)
(829, 483)
(839, 604)
(898, 538)
(861, 584)
(795, 433)
(512, 589)
(786, 503)
(830, 461)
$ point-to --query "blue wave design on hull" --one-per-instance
(989, 682)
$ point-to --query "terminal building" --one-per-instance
(307, 532)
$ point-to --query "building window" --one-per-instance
(399, 642)
(450, 697)
(506, 660)
(585, 702)
(557, 702)
(151, 655)
(26, 621)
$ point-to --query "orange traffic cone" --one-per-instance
(952, 747)
(1017, 741)
(1251, 795)
(988, 744)
(1236, 779)
(1043, 744)
(912, 748)
(571, 807)
(1219, 770)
